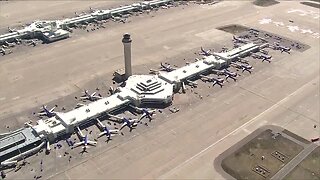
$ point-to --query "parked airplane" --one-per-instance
(48, 149)
(17, 41)
(242, 60)
(215, 81)
(153, 71)
(167, 67)
(240, 40)
(3, 51)
(204, 52)
(164, 7)
(264, 57)
(145, 112)
(33, 43)
(47, 112)
(85, 141)
(244, 67)
(11, 30)
(277, 46)
(116, 18)
(183, 86)
(9, 44)
(112, 90)
(105, 131)
(130, 123)
(226, 73)
(224, 49)
(91, 97)
(79, 105)
(263, 51)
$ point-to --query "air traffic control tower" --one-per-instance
(126, 40)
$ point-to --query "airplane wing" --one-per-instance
(93, 143)
(78, 144)
(202, 49)
(93, 94)
(52, 109)
(123, 125)
(97, 97)
(102, 133)
(42, 113)
(113, 130)
(142, 116)
(116, 117)
(84, 97)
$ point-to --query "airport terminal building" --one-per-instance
(139, 91)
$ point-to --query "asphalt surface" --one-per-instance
(184, 145)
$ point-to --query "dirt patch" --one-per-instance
(261, 157)
(315, 5)
(233, 28)
(265, 3)
(308, 168)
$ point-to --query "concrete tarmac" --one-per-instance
(184, 146)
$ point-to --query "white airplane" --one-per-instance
(17, 40)
(277, 46)
(9, 44)
(214, 80)
(33, 43)
(79, 105)
(153, 71)
(3, 51)
(130, 123)
(243, 67)
(224, 49)
(183, 86)
(145, 112)
(91, 97)
(93, 9)
(85, 141)
(106, 131)
(205, 52)
(164, 7)
(48, 149)
(112, 90)
(242, 60)
(265, 52)
(117, 18)
(240, 40)
(47, 112)
(226, 73)
(167, 67)
(11, 30)
(264, 57)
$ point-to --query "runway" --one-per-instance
(183, 145)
